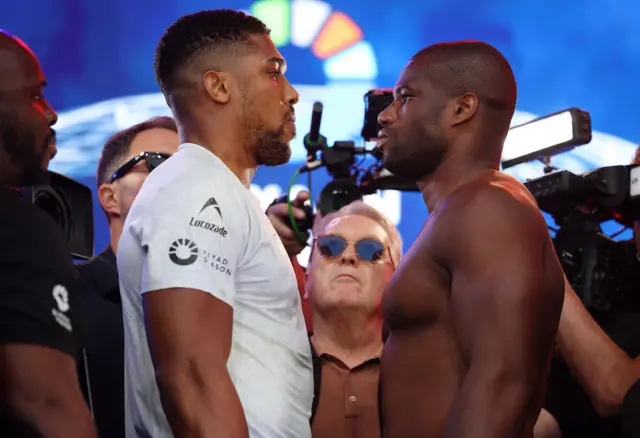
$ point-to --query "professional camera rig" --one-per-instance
(350, 181)
(603, 272)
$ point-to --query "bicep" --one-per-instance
(507, 287)
(185, 325)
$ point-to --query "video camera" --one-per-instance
(603, 272)
(350, 181)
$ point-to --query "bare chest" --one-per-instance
(418, 293)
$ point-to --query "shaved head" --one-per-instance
(472, 67)
(453, 101)
(27, 143)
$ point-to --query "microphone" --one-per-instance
(313, 141)
(316, 118)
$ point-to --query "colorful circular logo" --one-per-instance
(332, 36)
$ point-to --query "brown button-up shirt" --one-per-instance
(347, 404)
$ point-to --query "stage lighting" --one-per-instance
(544, 137)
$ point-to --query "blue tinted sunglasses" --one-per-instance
(368, 250)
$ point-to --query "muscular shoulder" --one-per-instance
(491, 201)
(499, 206)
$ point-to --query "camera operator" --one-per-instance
(589, 386)
(39, 384)
(127, 159)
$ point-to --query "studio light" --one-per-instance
(546, 136)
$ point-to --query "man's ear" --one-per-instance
(217, 86)
(109, 199)
(464, 109)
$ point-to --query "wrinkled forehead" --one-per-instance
(356, 227)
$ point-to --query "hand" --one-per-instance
(278, 214)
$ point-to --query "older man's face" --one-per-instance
(346, 281)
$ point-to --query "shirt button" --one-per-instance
(352, 399)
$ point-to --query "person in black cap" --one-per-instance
(39, 390)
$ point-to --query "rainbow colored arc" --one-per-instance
(332, 36)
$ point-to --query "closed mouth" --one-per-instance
(351, 277)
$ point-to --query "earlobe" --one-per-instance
(216, 87)
(109, 200)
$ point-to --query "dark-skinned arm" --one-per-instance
(603, 369)
(506, 299)
(189, 335)
(41, 391)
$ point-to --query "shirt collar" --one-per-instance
(315, 353)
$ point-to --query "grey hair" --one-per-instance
(359, 208)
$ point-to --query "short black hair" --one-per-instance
(472, 67)
(194, 35)
(117, 148)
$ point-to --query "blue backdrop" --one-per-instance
(98, 60)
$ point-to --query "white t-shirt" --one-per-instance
(194, 225)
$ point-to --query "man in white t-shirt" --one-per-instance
(215, 340)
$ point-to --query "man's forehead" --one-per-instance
(19, 69)
(155, 140)
(265, 51)
(410, 77)
(355, 226)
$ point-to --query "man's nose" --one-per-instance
(386, 116)
(292, 96)
(349, 257)
(52, 116)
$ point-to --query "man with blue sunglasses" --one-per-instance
(354, 252)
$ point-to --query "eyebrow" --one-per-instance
(282, 64)
(402, 87)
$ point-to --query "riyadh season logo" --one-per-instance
(183, 252)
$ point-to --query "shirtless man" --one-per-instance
(474, 307)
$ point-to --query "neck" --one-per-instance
(9, 176)
(454, 172)
(352, 337)
(115, 230)
(224, 142)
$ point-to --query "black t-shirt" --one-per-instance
(37, 278)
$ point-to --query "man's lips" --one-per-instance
(382, 139)
(346, 277)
